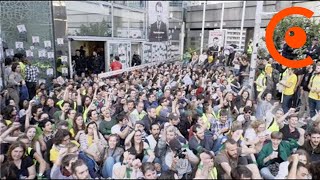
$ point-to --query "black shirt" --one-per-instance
(287, 134)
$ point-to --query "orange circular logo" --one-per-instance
(297, 40)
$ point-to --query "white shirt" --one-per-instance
(116, 129)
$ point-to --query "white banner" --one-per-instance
(112, 73)
(158, 13)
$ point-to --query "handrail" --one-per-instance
(112, 73)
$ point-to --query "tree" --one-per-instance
(102, 28)
(310, 26)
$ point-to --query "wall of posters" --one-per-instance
(158, 13)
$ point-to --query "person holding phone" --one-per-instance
(274, 153)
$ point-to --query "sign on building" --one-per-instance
(216, 39)
(158, 12)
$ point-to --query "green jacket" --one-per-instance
(285, 149)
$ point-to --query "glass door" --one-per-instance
(121, 49)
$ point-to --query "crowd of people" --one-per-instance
(197, 120)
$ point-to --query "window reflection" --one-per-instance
(88, 18)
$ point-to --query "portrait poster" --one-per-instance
(29, 53)
(49, 72)
(158, 13)
(60, 41)
(216, 39)
(42, 53)
(47, 44)
(21, 28)
(9, 52)
(35, 40)
(50, 55)
(19, 45)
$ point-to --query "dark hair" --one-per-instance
(35, 108)
(60, 135)
(231, 141)
(196, 127)
(75, 126)
(159, 4)
(14, 66)
(7, 61)
(167, 175)
(62, 123)
(276, 135)
(223, 112)
(92, 122)
(314, 130)
(154, 124)
(299, 165)
(147, 166)
(15, 145)
(241, 172)
(7, 112)
(7, 171)
(77, 163)
(117, 58)
(66, 159)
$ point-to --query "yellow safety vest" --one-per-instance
(261, 81)
(315, 82)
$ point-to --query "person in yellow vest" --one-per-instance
(206, 168)
(260, 82)
(314, 95)
(289, 86)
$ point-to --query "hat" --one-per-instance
(174, 144)
(173, 116)
(140, 122)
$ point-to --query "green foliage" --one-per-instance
(102, 28)
(309, 25)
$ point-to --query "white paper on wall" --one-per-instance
(35, 39)
(21, 28)
(50, 55)
(47, 44)
(29, 53)
(60, 41)
(42, 81)
(31, 47)
(42, 53)
(9, 52)
(19, 45)
(49, 72)
(64, 70)
(64, 59)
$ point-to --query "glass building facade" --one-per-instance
(68, 25)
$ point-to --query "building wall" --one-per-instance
(232, 17)
(36, 16)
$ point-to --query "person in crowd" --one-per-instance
(112, 155)
(31, 78)
(22, 165)
(79, 170)
(116, 65)
(274, 153)
(14, 82)
(284, 170)
(155, 122)
(228, 159)
(314, 98)
(312, 145)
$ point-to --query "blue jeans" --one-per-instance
(266, 174)
(286, 103)
(218, 144)
(313, 106)
(90, 163)
(108, 167)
